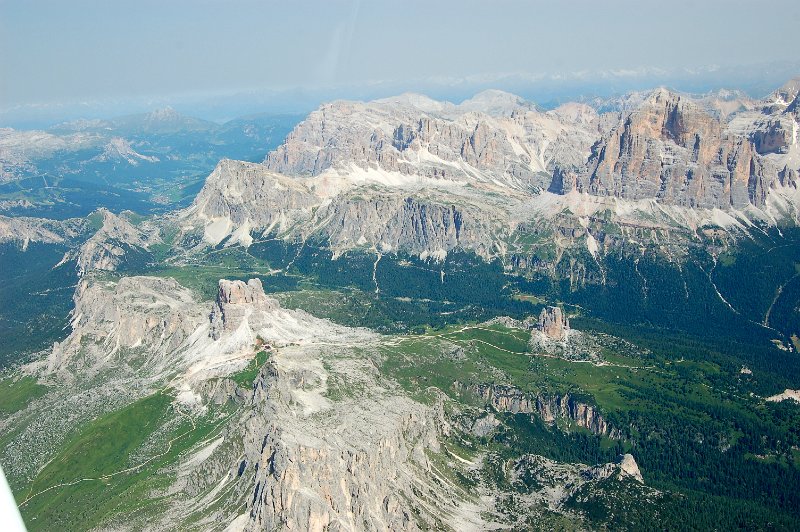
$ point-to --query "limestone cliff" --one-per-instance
(494, 136)
(113, 319)
(550, 408)
(239, 197)
(672, 150)
(235, 303)
(554, 323)
(410, 174)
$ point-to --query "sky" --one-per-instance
(57, 52)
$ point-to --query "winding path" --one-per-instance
(123, 471)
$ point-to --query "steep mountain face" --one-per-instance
(24, 230)
(482, 139)
(422, 224)
(313, 436)
(549, 408)
(494, 175)
(554, 323)
(357, 477)
(239, 197)
(242, 409)
(110, 319)
(669, 147)
(234, 304)
(672, 150)
(243, 201)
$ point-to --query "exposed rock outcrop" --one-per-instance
(409, 174)
(786, 395)
(625, 467)
(240, 197)
(541, 484)
(549, 408)
(116, 241)
(494, 136)
(554, 323)
(136, 313)
(238, 302)
(672, 150)
(24, 230)
(419, 225)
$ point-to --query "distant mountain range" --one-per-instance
(151, 159)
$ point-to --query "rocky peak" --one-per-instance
(672, 150)
(554, 323)
(240, 196)
(494, 137)
(496, 103)
(164, 114)
(239, 302)
(629, 467)
(134, 314)
(671, 117)
(239, 292)
(787, 93)
(625, 467)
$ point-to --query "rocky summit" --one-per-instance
(553, 323)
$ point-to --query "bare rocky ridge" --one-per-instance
(558, 484)
(673, 150)
(235, 304)
(289, 456)
(146, 314)
(115, 239)
(420, 224)
(24, 230)
(494, 136)
(239, 197)
(549, 408)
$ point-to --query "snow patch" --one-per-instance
(591, 244)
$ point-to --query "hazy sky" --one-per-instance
(61, 51)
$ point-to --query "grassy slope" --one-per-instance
(100, 451)
(15, 395)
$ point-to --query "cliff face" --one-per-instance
(320, 438)
(242, 201)
(24, 230)
(414, 175)
(354, 476)
(553, 323)
(548, 408)
(494, 136)
(236, 302)
(415, 224)
(116, 241)
(239, 197)
(136, 313)
(672, 150)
